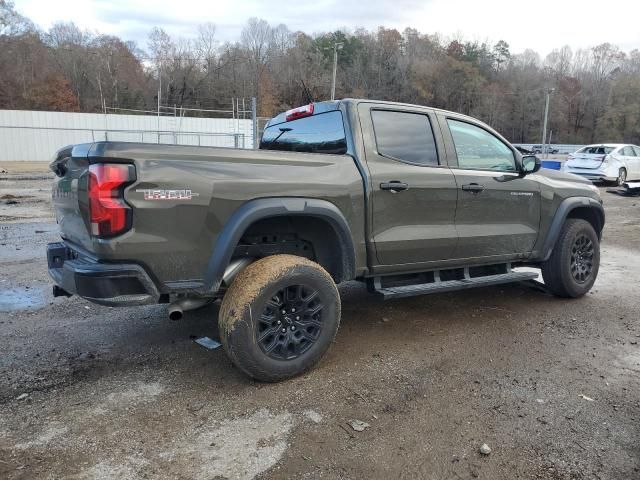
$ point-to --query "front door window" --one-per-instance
(477, 149)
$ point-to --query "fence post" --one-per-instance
(254, 121)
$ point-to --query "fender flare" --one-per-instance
(563, 211)
(262, 208)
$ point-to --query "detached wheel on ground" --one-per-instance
(573, 266)
(279, 317)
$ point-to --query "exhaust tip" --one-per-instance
(176, 309)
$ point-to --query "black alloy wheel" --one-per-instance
(290, 323)
(582, 258)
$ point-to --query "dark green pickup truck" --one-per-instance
(409, 199)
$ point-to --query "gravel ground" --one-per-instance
(551, 386)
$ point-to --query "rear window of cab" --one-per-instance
(320, 133)
(597, 150)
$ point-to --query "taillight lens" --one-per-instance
(109, 215)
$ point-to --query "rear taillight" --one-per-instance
(109, 215)
(300, 112)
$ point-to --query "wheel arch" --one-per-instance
(585, 208)
(337, 252)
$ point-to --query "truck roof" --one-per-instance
(329, 105)
(400, 104)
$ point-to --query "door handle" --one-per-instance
(473, 187)
(394, 186)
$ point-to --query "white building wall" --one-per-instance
(34, 135)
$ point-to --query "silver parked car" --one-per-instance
(609, 162)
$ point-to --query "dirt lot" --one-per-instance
(552, 386)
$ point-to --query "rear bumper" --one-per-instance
(593, 175)
(111, 284)
(607, 172)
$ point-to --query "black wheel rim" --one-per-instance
(582, 258)
(290, 323)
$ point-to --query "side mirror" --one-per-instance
(530, 164)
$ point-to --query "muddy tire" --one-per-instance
(573, 266)
(279, 317)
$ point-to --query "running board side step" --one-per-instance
(449, 285)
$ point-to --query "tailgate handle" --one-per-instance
(473, 187)
(394, 186)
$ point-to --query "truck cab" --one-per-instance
(441, 188)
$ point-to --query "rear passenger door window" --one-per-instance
(478, 149)
(404, 136)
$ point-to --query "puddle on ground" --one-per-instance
(22, 298)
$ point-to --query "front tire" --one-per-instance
(573, 266)
(279, 317)
(622, 177)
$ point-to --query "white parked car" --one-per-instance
(609, 162)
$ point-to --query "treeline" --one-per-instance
(596, 93)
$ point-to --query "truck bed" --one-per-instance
(183, 196)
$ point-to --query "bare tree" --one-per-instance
(256, 37)
(11, 22)
(206, 45)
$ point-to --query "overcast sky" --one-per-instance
(540, 24)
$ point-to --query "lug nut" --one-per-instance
(284, 330)
(279, 322)
(284, 311)
(293, 327)
(297, 317)
(293, 310)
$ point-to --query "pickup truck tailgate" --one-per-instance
(71, 168)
